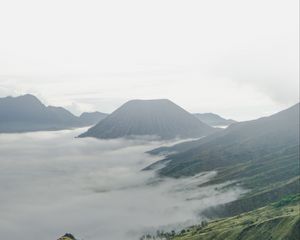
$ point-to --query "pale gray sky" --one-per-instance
(236, 58)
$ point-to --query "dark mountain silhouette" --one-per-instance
(261, 156)
(28, 113)
(239, 143)
(91, 118)
(161, 118)
(213, 119)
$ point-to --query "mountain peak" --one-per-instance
(239, 143)
(28, 95)
(148, 102)
(213, 119)
(28, 98)
(159, 117)
(27, 113)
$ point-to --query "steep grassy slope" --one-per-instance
(280, 221)
(240, 143)
(261, 156)
(267, 179)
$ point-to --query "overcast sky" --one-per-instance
(237, 58)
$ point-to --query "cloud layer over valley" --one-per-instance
(52, 183)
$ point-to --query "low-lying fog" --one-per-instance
(52, 183)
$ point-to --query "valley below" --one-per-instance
(52, 183)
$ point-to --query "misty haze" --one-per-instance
(149, 120)
(52, 182)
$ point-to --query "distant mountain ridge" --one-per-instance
(92, 118)
(261, 156)
(28, 113)
(160, 117)
(213, 119)
(239, 142)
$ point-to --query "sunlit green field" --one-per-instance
(280, 221)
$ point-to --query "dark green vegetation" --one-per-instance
(240, 143)
(269, 179)
(67, 236)
(261, 156)
(279, 221)
(290, 199)
(26, 113)
(213, 119)
(161, 118)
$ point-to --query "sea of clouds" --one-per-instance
(52, 183)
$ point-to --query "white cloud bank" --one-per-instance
(52, 183)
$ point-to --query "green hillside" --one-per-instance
(267, 179)
(279, 221)
(240, 143)
(261, 156)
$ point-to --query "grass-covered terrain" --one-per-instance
(240, 143)
(268, 179)
(261, 156)
(278, 221)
